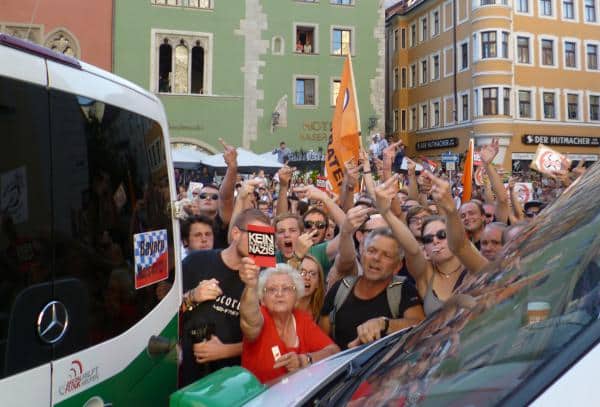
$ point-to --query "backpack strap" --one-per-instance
(341, 295)
(394, 295)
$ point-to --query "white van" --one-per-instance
(89, 270)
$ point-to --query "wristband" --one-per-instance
(310, 360)
(386, 326)
(367, 172)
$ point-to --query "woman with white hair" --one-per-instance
(278, 338)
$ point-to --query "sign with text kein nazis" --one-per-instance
(151, 257)
(261, 245)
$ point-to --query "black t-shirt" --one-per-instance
(355, 311)
(224, 312)
(220, 233)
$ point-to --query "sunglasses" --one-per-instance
(309, 224)
(440, 234)
(204, 195)
(530, 214)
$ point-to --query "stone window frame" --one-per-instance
(585, 50)
(306, 76)
(70, 36)
(555, 55)
(557, 94)
(531, 38)
(432, 33)
(461, 116)
(352, 30)
(467, 41)
(575, 18)
(157, 36)
(185, 4)
(315, 44)
(577, 43)
(432, 77)
(588, 105)
(332, 81)
(448, 121)
(432, 103)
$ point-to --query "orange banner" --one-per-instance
(344, 141)
(467, 179)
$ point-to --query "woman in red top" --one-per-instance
(277, 337)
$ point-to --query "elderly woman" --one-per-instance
(278, 338)
(314, 286)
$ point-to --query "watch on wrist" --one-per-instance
(386, 326)
(309, 358)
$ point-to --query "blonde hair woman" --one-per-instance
(314, 286)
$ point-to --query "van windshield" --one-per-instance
(517, 319)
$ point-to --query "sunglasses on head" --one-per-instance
(440, 234)
(204, 195)
(308, 224)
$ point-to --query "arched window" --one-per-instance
(181, 62)
(181, 68)
(198, 69)
(165, 56)
(277, 46)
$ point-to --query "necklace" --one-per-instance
(447, 275)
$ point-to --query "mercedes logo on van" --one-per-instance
(52, 322)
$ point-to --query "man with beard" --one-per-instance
(211, 302)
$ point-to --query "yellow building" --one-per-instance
(524, 71)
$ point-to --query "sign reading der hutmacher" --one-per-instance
(561, 140)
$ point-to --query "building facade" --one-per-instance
(64, 26)
(253, 72)
(524, 71)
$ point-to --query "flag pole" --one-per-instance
(356, 101)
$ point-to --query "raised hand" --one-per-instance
(355, 217)
(384, 193)
(364, 161)
(304, 243)
(440, 191)
(412, 166)
(249, 272)
(285, 175)
(248, 188)
(351, 172)
(489, 152)
(312, 192)
(390, 151)
(229, 154)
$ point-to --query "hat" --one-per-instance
(533, 203)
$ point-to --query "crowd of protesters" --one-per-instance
(382, 255)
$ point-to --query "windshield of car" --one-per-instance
(509, 322)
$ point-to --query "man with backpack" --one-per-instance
(361, 309)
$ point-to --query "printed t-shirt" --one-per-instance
(223, 313)
(257, 356)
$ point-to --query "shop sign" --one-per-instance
(532, 139)
(440, 143)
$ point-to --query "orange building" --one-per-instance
(79, 28)
(524, 71)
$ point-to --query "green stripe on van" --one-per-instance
(146, 381)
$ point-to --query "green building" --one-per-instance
(253, 72)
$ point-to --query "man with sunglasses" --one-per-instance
(315, 219)
(217, 202)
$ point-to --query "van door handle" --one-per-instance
(158, 345)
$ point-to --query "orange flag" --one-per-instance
(467, 179)
(344, 141)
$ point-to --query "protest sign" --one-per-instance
(261, 245)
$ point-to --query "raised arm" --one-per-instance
(458, 242)
(389, 153)
(518, 213)
(487, 154)
(243, 200)
(345, 260)
(348, 185)
(367, 174)
(415, 261)
(251, 319)
(226, 191)
(285, 175)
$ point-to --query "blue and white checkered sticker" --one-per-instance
(148, 247)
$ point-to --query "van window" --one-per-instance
(109, 179)
(25, 212)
